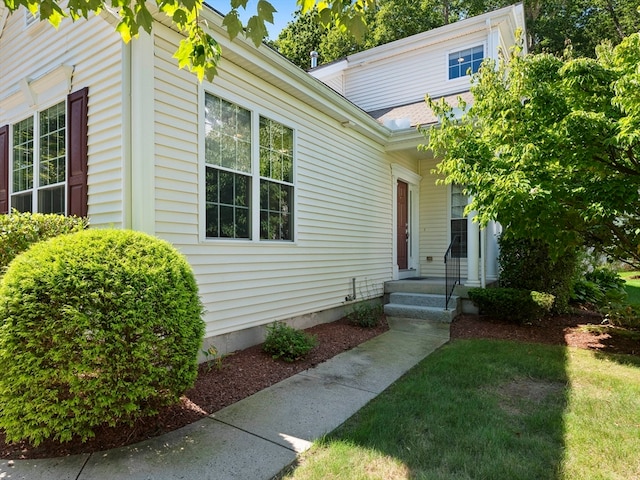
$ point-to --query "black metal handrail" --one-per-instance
(451, 269)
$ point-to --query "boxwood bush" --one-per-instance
(512, 304)
(100, 326)
(20, 230)
(528, 265)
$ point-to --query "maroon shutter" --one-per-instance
(4, 169)
(77, 139)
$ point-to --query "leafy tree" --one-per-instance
(550, 148)
(553, 24)
(198, 51)
(299, 38)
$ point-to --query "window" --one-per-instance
(39, 162)
(276, 180)
(462, 61)
(232, 174)
(458, 221)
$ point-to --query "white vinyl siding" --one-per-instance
(342, 205)
(406, 78)
(94, 51)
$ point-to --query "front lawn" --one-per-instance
(495, 410)
(632, 286)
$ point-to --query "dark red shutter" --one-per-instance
(77, 140)
(4, 169)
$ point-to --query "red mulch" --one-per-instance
(248, 371)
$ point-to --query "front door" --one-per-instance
(403, 225)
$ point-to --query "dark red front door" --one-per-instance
(403, 225)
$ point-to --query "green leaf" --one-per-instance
(239, 3)
(266, 11)
(233, 24)
(256, 30)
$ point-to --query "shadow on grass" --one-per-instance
(473, 409)
(633, 293)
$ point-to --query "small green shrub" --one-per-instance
(527, 264)
(622, 315)
(511, 304)
(599, 287)
(287, 343)
(18, 231)
(101, 326)
(366, 315)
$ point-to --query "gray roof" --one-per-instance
(418, 113)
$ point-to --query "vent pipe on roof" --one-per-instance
(314, 59)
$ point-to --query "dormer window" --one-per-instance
(462, 61)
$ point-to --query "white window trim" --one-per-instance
(256, 112)
(463, 78)
(35, 114)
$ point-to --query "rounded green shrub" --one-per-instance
(20, 230)
(101, 326)
(512, 304)
(287, 343)
(528, 265)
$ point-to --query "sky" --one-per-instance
(284, 14)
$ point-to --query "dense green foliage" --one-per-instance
(551, 26)
(18, 231)
(100, 326)
(512, 304)
(287, 343)
(365, 314)
(550, 149)
(528, 264)
(598, 285)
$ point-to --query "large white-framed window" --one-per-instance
(463, 62)
(249, 173)
(38, 162)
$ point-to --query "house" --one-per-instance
(291, 194)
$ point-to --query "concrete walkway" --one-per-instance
(257, 437)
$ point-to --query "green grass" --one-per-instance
(632, 286)
(482, 409)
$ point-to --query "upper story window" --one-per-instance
(462, 61)
(38, 167)
(247, 196)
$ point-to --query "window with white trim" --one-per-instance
(231, 172)
(458, 221)
(465, 61)
(38, 162)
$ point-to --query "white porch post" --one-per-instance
(473, 252)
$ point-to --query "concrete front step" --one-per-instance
(422, 306)
(422, 300)
(426, 313)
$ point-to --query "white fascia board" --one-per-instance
(330, 69)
